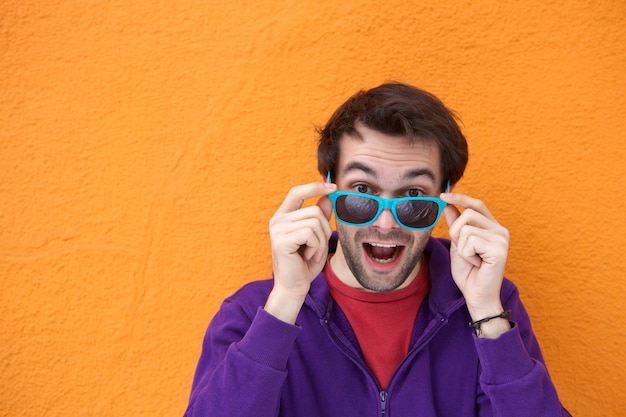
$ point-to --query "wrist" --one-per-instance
(479, 311)
(284, 305)
(491, 327)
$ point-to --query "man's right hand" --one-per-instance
(299, 238)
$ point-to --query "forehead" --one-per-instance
(388, 155)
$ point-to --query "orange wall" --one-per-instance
(146, 144)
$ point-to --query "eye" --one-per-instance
(414, 192)
(362, 188)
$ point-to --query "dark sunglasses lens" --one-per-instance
(417, 214)
(355, 209)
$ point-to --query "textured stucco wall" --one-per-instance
(145, 145)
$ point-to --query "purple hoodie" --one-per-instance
(255, 365)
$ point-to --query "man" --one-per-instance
(373, 319)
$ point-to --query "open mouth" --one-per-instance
(383, 253)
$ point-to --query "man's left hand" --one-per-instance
(479, 248)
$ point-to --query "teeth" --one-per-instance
(384, 261)
(385, 246)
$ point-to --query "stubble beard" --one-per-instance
(352, 248)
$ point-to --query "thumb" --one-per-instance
(326, 206)
(451, 213)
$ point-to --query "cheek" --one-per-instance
(346, 233)
(420, 239)
(350, 238)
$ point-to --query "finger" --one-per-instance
(288, 239)
(309, 243)
(471, 222)
(298, 194)
(313, 213)
(470, 217)
(322, 229)
(451, 214)
(315, 246)
(316, 255)
(462, 200)
(483, 244)
(470, 242)
(311, 250)
(326, 206)
(300, 232)
(284, 224)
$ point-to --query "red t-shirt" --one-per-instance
(382, 321)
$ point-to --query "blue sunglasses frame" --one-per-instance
(387, 203)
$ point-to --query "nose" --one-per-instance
(386, 221)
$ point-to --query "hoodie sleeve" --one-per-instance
(514, 377)
(243, 363)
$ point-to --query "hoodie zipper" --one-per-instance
(428, 334)
(436, 324)
(347, 351)
(383, 402)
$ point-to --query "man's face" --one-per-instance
(383, 256)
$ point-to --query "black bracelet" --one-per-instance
(476, 324)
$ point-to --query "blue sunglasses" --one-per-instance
(414, 213)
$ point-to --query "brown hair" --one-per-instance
(397, 110)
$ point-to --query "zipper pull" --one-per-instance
(383, 402)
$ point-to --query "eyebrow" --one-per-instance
(414, 173)
(358, 166)
(422, 172)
